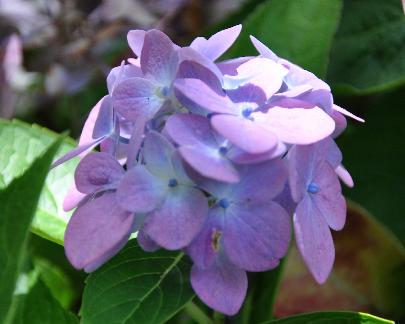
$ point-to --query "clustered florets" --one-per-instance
(212, 158)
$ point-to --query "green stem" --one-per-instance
(219, 318)
(197, 314)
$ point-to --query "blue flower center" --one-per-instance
(165, 91)
(172, 183)
(247, 112)
(224, 203)
(223, 150)
(313, 188)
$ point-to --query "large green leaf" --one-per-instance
(368, 274)
(332, 318)
(137, 287)
(368, 52)
(38, 306)
(18, 203)
(20, 144)
(298, 30)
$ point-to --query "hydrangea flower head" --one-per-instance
(214, 158)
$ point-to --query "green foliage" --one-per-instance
(137, 287)
(332, 318)
(39, 307)
(367, 53)
(18, 203)
(290, 28)
(20, 145)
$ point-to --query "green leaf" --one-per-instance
(20, 145)
(263, 288)
(137, 287)
(367, 54)
(298, 30)
(18, 203)
(332, 318)
(368, 274)
(39, 307)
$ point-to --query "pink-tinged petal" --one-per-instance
(329, 200)
(140, 191)
(137, 97)
(256, 236)
(345, 176)
(146, 243)
(210, 163)
(96, 231)
(294, 91)
(241, 157)
(260, 182)
(257, 71)
(202, 95)
(347, 113)
(263, 49)
(288, 103)
(135, 40)
(244, 133)
(157, 152)
(230, 67)
(72, 198)
(97, 171)
(78, 151)
(121, 73)
(218, 43)
(222, 287)
(206, 245)
(159, 58)
(297, 125)
(179, 219)
(314, 240)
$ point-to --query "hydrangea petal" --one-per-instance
(238, 156)
(104, 124)
(146, 243)
(202, 95)
(297, 125)
(256, 236)
(345, 176)
(263, 49)
(135, 40)
(347, 113)
(140, 191)
(178, 220)
(218, 43)
(96, 231)
(329, 200)
(159, 58)
(122, 72)
(96, 171)
(314, 240)
(222, 287)
(137, 97)
(72, 198)
(244, 133)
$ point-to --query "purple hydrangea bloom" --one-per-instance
(211, 157)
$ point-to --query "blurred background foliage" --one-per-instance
(55, 55)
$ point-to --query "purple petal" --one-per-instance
(72, 198)
(241, 157)
(247, 93)
(202, 95)
(340, 123)
(263, 49)
(244, 133)
(158, 152)
(314, 240)
(229, 67)
(146, 243)
(96, 231)
(334, 155)
(140, 191)
(104, 124)
(97, 171)
(206, 245)
(159, 58)
(179, 219)
(137, 97)
(345, 176)
(285, 200)
(218, 43)
(297, 125)
(329, 200)
(260, 182)
(222, 287)
(135, 141)
(121, 73)
(256, 236)
(347, 113)
(135, 40)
